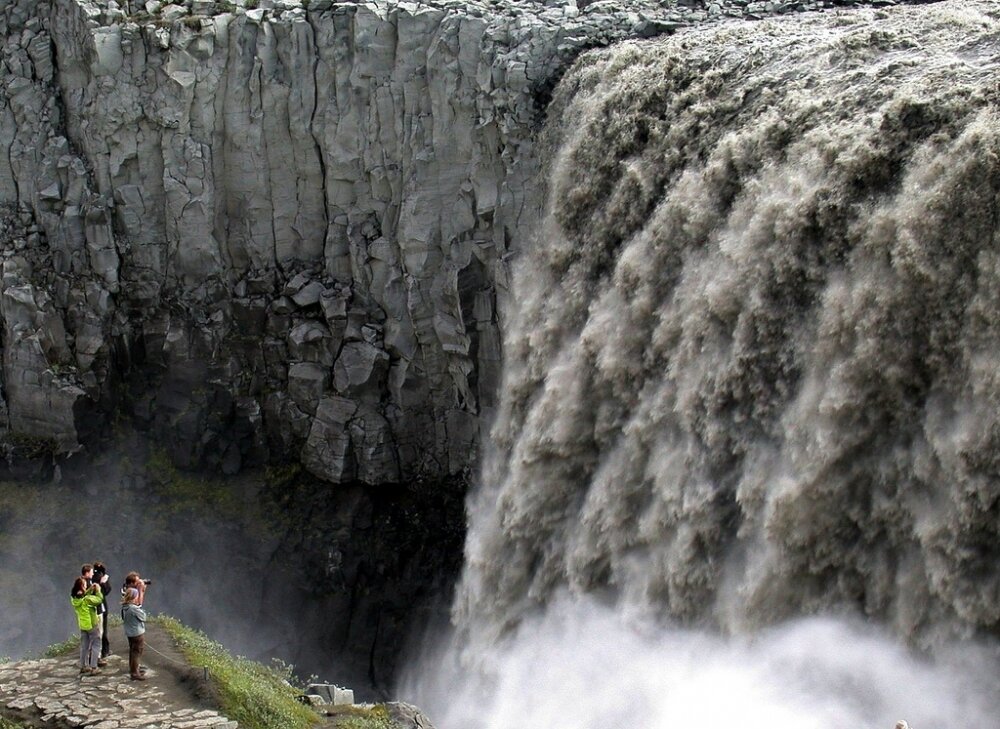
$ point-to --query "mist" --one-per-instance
(208, 568)
(329, 580)
(586, 665)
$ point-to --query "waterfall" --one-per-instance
(753, 373)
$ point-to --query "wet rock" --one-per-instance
(407, 716)
(307, 381)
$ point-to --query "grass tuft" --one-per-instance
(256, 696)
(363, 717)
(57, 650)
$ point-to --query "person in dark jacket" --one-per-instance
(101, 578)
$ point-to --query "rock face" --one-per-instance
(268, 231)
(278, 232)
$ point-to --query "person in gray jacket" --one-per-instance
(134, 620)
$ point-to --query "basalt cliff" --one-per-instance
(277, 232)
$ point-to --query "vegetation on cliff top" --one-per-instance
(70, 645)
(363, 717)
(257, 696)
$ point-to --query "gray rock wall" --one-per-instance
(271, 232)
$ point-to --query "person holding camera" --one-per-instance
(85, 600)
(134, 621)
(133, 580)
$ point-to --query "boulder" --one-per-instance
(361, 366)
(327, 451)
(306, 383)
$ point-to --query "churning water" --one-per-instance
(752, 374)
(580, 665)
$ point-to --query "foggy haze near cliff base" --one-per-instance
(326, 579)
(209, 570)
(586, 666)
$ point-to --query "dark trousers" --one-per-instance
(105, 643)
(135, 646)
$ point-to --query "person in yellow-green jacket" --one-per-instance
(85, 601)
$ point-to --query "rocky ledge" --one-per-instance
(52, 691)
(276, 230)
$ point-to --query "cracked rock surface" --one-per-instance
(280, 232)
(52, 691)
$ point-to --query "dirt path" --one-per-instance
(51, 692)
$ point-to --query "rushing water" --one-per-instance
(752, 374)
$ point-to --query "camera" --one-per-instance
(126, 585)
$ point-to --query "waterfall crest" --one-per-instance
(753, 369)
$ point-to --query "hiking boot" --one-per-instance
(102, 663)
(140, 677)
(84, 670)
(95, 671)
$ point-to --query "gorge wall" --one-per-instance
(273, 233)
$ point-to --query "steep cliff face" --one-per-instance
(271, 232)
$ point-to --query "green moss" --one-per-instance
(282, 476)
(28, 447)
(182, 491)
(8, 724)
(257, 696)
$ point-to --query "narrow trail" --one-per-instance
(51, 692)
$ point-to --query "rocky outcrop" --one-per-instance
(52, 691)
(277, 231)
